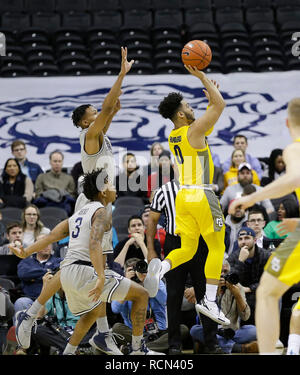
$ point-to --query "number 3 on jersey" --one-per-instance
(178, 154)
(75, 233)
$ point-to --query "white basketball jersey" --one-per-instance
(104, 158)
(80, 225)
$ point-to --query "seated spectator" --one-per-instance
(218, 181)
(286, 209)
(231, 297)
(55, 188)
(235, 191)
(231, 176)
(16, 189)
(30, 169)
(233, 223)
(14, 234)
(31, 225)
(55, 325)
(76, 173)
(155, 150)
(248, 263)
(31, 271)
(160, 233)
(256, 221)
(164, 174)
(156, 322)
(276, 167)
(130, 182)
(240, 142)
(135, 245)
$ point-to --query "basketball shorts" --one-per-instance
(78, 280)
(198, 211)
(284, 262)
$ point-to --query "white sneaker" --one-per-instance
(105, 342)
(144, 350)
(212, 310)
(24, 324)
(151, 282)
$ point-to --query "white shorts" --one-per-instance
(78, 280)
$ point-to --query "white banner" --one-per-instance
(38, 111)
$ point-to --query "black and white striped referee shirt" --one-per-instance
(164, 202)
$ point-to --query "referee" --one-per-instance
(163, 203)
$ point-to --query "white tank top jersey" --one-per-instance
(104, 158)
(80, 225)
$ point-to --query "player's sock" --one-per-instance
(70, 349)
(211, 292)
(293, 344)
(34, 309)
(165, 267)
(136, 342)
(102, 324)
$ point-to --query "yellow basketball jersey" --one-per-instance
(195, 165)
(298, 189)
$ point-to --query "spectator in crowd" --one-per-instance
(77, 173)
(240, 142)
(135, 245)
(233, 223)
(55, 188)
(231, 176)
(164, 174)
(235, 191)
(31, 271)
(56, 324)
(16, 189)
(286, 209)
(160, 232)
(218, 181)
(156, 322)
(14, 233)
(30, 169)
(130, 183)
(248, 263)
(32, 225)
(276, 167)
(231, 297)
(155, 150)
(256, 221)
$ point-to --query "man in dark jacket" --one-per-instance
(31, 271)
(248, 263)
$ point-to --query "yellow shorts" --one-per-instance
(198, 211)
(284, 263)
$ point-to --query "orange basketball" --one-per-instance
(196, 53)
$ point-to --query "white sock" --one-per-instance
(211, 292)
(102, 324)
(293, 344)
(69, 349)
(165, 267)
(34, 309)
(136, 342)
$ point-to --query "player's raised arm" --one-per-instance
(110, 102)
(59, 232)
(216, 104)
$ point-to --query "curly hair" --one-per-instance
(170, 104)
(78, 113)
(94, 182)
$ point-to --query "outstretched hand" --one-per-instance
(18, 251)
(125, 65)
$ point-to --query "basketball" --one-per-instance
(196, 53)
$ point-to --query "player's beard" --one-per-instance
(190, 118)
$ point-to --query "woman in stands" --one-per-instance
(276, 167)
(32, 225)
(16, 189)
